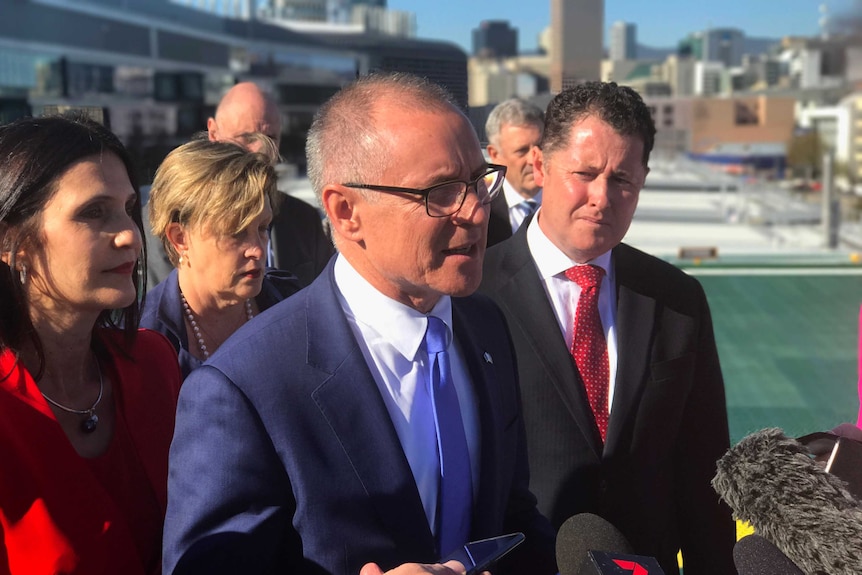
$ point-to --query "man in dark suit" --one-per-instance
(318, 439)
(298, 242)
(626, 418)
(514, 129)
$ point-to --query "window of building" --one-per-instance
(746, 113)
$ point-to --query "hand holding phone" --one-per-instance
(478, 556)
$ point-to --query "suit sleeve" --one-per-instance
(707, 528)
(229, 501)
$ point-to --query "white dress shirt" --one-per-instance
(513, 200)
(563, 294)
(390, 335)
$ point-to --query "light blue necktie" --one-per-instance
(528, 207)
(455, 497)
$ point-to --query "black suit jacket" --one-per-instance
(499, 226)
(298, 241)
(668, 423)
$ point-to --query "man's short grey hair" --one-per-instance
(343, 143)
(514, 112)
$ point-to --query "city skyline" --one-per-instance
(454, 20)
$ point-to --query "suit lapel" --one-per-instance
(635, 321)
(486, 511)
(527, 306)
(349, 400)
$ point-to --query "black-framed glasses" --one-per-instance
(446, 198)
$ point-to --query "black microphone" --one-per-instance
(754, 555)
(581, 533)
(590, 545)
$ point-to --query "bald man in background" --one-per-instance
(297, 239)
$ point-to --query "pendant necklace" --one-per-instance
(88, 425)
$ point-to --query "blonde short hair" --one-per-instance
(220, 187)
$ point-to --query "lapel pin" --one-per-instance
(488, 358)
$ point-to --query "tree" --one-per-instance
(805, 154)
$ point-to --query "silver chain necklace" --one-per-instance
(88, 425)
(249, 314)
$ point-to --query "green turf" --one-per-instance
(788, 349)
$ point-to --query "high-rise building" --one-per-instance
(377, 3)
(305, 10)
(377, 20)
(623, 45)
(495, 39)
(724, 45)
(576, 42)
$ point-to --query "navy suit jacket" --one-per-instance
(668, 423)
(285, 459)
(163, 310)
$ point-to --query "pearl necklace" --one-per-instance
(249, 314)
(88, 425)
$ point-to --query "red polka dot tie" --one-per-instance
(589, 349)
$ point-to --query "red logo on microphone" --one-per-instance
(631, 566)
(607, 563)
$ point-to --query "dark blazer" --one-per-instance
(668, 423)
(163, 310)
(499, 226)
(158, 264)
(298, 241)
(285, 458)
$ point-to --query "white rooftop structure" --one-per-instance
(689, 206)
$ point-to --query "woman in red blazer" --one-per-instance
(86, 407)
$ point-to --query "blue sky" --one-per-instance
(660, 23)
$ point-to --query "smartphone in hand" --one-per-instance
(478, 556)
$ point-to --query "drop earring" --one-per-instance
(139, 265)
(22, 274)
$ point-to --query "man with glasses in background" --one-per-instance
(374, 416)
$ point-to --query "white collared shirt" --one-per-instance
(390, 335)
(563, 294)
(513, 200)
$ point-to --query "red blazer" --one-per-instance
(55, 517)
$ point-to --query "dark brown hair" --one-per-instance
(618, 106)
(35, 153)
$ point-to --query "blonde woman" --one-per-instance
(211, 205)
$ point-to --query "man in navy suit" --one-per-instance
(631, 428)
(310, 442)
